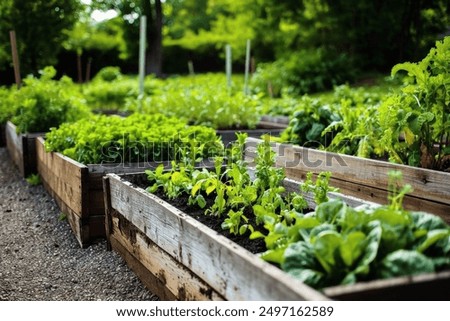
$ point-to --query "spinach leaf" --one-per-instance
(405, 262)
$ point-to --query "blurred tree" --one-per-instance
(88, 35)
(131, 11)
(380, 33)
(39, 27)
(5, 26)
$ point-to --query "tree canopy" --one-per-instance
(375, 33)
(39, 29)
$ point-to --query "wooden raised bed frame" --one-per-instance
(22, 149)
(364, 178)
(179, 258)
(78, 190)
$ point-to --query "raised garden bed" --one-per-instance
(364, 178)
(78, 190)
(178, 257)
(22, 149)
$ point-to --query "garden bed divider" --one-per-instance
(363, 178)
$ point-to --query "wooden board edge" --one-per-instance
(180, 282)
(14, 147)
(148, 279)
(421, 179)
(433, 286)
(278, 285)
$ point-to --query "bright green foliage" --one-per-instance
(417, 120)
(108, 74)
(334, 244)
(34, 179)
(308, 123)
(103, 36)
(42, 103)
(174, 182)
(205, 100)
(236, 194)
(345, 122)
(350, 245)
(111, 90)
(320, 188)
(357, 130)
(411, 127)
(343, 245)
(7, 104)
(303, 72)
(137, 138)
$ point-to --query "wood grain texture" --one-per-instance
(147, 278)
(22, 149)
(14, 146)
(64, 177)
(78, 189)
(364, 178)
(222, 264)
(166, 273)
(420, 287)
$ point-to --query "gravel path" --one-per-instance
(40, 259)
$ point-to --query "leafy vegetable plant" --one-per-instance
(331, 245)
(343, 245)
(137, 138)
(204, 100)
(416, 122)
(45, 103)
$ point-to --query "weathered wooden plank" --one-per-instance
(14, 146)
(168, 273)
(64, 177)
(78, 189)
(80, 232)
(426, 287)
(148, 279)
(379, 195)
(230, 270)
(22, 150)
(364, 178)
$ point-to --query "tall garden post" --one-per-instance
(142, 34)
(247, 67)
(228, 66)
(15, 56)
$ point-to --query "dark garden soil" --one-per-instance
(213, 222)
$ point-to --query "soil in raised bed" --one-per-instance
(213, 222)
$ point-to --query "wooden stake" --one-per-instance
(191, 67)
(15, 56)
(228, 65)
(142, 43)
(247, 67)
(252, 65)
